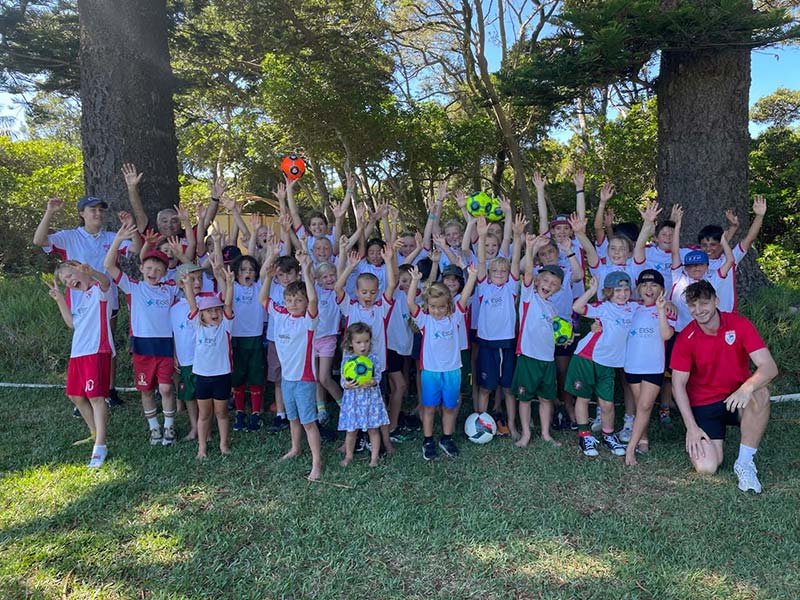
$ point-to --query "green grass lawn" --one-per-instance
(498, 522)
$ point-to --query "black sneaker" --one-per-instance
(361, 443)
(76, 413)
(255, 422)
(588, 444)
(325, 434)
(429, 451)
(449, 447)
(278, 424)
(239, 424)
(410, 422)
(113, 398)
(612, 443)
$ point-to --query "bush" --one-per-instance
(781, 265)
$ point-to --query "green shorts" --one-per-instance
(586, 379)
(186, 384)
(248, 361)
(534, 378)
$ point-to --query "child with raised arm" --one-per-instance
(440, 357)
(212, 319)
(88, 374)
(498, 286)
(591, 370)
(152, 345)
(362, 403)
(294, 333)
(325, 337)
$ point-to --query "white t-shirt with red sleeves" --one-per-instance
(536, 316)
(365, 266)
(564, 262)
(329, 315)
(562, 299)
(726, 290)
(661, 261)
(301, 231)
(213, 353)
(680, 281)
(441, 344)
(607, 348)
(91, 322)
(376, 316)
(183, 332)
(91, 249)
(497, 318)
(149, 306)
(294, 335)
(645, 351)
(399, 336)
(249, 321)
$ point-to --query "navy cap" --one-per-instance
(230, 254)
(651, 276)
(453, 271)
(553, 270)
(695, 257)
(85, 201)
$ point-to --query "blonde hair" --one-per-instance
(322, 268)
(439, 290)
(498, 261)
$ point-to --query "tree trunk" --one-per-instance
(703, 143)
(497, 173)
(126, 101)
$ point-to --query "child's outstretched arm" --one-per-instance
(443, 246)
(43, 229)
(266, 275)
(729, 258)
(520, 223)
(412, 256)
(539, 182)
(185, 283)
(580, 303)
(469, 287)
(132, 180)
(461, 202)
(390, 260)
(436, 257)
(533, 243)
(733, 224)
(218, 188)
(677, 217)
(483, 228)
(430, 224)
(236, 210)
(353, 258)
(508, 222)
(125, 232)
(126, 218)
(665, 330)
(297, 222)
(649, 216)
(227, 297)
(759, 209)
(99, 277)
(579, 179)
(308, 278)
(411, 296)
(599, 219)
(56, 294)
(579, 228)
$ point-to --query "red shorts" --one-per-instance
(151, 370)
(89, 376)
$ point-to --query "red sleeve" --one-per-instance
(681, 353)
(752, 339)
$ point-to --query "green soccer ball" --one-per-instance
(562, 330)
(495, 212)
(479, 204)
(359, 369)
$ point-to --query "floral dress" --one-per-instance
(362, 408)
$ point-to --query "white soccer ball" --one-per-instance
(480, 428)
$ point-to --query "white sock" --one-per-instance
(168, 421)
(153, 422)
(629, 419)
(746, 453)
(100, 450)
(282, 415)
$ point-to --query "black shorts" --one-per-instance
(217, 387)
(715, 418)
(668, 352)
(657, 379)
(394, 361)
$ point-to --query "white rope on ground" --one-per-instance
(781, 398)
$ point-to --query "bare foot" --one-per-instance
(514, 434)
(523, 441)
(290, 454)
(643, 447)
(345, 461)
(389, 450)
(192, 435)
(201, 456)
(552, 441)
(375, 463)
(315, 474)
(224, 449)
(341, 449)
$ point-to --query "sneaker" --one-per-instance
(326, 435)
(113, 398)
(612, 442)
(399, 435)
(588, 444)
(278, 424)
(410, 422)
(96, 461)
(323, 416)
(573, 426)
(361, 444)
(76, 413)
(502, 428)
(597, 423)
(449, 447)
(156, 439)
(169, 436)
(748, 476)
(429, 451)
(255, 422)
(665, 418)
(626, 432)
(239, 424)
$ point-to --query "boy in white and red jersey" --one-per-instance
(152, 346)
(294, 336)
(92, 347)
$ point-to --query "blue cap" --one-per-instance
(617, 279)
(85, 201)
(695, 257)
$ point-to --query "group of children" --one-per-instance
(454, 299)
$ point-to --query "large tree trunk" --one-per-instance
(126, 101)
(703, 143)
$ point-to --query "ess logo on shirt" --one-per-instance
(161, 302)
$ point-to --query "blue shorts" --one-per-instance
(300, 400)
(441, 388)
(495, 364)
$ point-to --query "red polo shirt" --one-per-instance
(717, 364)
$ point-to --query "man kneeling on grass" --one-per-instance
(713, 387)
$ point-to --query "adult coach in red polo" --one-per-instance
(714, 388)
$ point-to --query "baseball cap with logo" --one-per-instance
(651, 276)
(86, 201)
(695, 257)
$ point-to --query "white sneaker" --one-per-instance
(626, 432)
(597, 422)
(748, 476)
(169, 436)
(156, 439)
(96, 461)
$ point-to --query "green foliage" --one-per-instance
(780, 264)
(31, 172)
(779, 109)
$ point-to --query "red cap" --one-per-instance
(158, 255)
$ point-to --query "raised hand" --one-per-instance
(441, 191)
(676, 215)
(519, 225)
(539, 181)
(54, 290)
(439, 240)
(183, 214)
(579, 179)
(435, 255)
(594, 283)
(608, 217)
(651, 212)
(461, 199)
(127, 232)
(577, 223)
(132, 178)
(482, 227)
(218, 188)
(339, 210)
(760, 205)
(353, 258)
(416, 274)
(607, 192)
(125, 218)
(54, 205)
(731, 217)
(285, 221)
(280, 192)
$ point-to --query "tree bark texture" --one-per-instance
(703, 143)
(126, 99)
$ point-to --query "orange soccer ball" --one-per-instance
(293, 166)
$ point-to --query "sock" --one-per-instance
(583, 430)
(256, 398)
(746, 453)
(629, 419)
(153, 422)
(100, 450)
(238, 398)
(169, 418)
(428, 439)
(282, 415)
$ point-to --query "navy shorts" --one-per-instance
(567, 350)
(657, 379)
(496, 361)
(417, 347)
(715, 418)
(216, 387)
